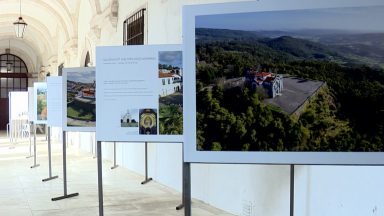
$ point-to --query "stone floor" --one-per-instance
(22, 192)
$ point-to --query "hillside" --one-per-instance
(341, 47)
(355, 81)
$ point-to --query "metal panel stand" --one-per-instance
(187, 200)
(65, 173)
(114, 156)
(30, 142)
(49, 157)
(34, 148)
(146, 166)
(179, 207)
(292, 191)
(100, 178)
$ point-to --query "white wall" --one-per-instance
(238, 189)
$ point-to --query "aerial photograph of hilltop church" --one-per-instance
(81, 99)
(299, 80)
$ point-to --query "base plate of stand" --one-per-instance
(34, 166)
(114, 167)
(65, 196)
(179, 207)
(50, 178)
(146, 181)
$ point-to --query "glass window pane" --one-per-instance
(23, 83)
(10, 82)
(16, 70)
(3, 82)
(17, 63)
(16, 83)
(3, 93)
(23, 70)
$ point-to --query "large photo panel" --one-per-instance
(140, 93)
(79, 93)
(40, 102)
(298, 82)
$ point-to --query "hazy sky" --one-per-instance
(367, 19)
(84, 76)
(173, 58)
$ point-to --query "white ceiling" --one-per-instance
(48, 21)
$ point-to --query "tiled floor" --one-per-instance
(22, 192)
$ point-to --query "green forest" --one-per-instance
(346, 115)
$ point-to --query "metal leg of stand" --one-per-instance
(114, 156)
(94, 144)
(49, 157)
(34, 148)
(292, 191)
(66, 195)
(187, 200)
(100, 178)
(179, 207)
(146, 166)
(30, 142)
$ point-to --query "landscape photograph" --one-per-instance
(170, 93)
(81, 99)
(41, 103)
(299, 80)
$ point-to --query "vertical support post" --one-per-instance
(34, 147)
(292, 191)
(94, 144)
(30, 141)
(65, 165)
(179, 207)
(100, 178)
(187, 200)
(66, 195)
(114, 156)
(146, 165)
(49, 157)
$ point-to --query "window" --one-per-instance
(169, 81)
(134, 29)
(13, 74)
(163, 81)
(60, 69)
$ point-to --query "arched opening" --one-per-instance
(13, 77)
(60, 69)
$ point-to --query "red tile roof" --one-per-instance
(165, 75)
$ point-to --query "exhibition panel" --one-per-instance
(40, 103)
(283, 83)
(79, 104)
(54, 101)
(31, 108)
(18, 115)
(140, 93)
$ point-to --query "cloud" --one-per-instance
(173, 58)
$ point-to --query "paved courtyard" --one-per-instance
(22, 193)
